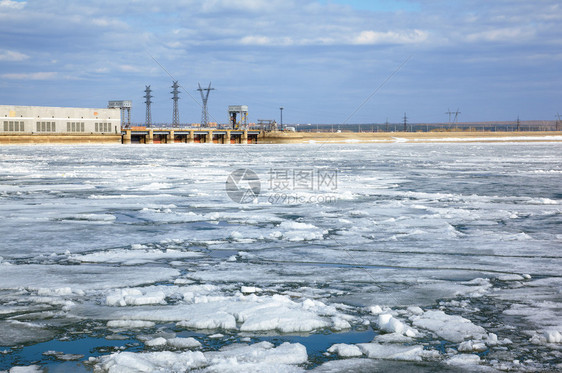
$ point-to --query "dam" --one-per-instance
(144, 135)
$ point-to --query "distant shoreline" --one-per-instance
(408, 137)
(286, 137)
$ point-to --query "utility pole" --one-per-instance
(148, 101)
(457, 115)
(405, 123)
(450, 113)
(558, 122)
(281, 109)
(205, 98)
(386, 125)
(518, 123)
(175, 97)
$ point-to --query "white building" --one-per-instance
(58, 120)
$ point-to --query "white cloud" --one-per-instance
(255, 40)
(390, 37)
(242, 5)
(107, 22)
(7, 55)
(10, 4)
(31, 76)
(129, 68)
(502, 35)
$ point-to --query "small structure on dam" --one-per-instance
(238, 116)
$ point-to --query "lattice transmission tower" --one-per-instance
(175, 97)
(148, 101)
(205, 98)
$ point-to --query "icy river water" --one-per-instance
(323, 257)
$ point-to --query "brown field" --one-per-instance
(365, 137)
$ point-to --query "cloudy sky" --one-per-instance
(319, 59)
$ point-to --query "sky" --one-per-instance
(323, 61)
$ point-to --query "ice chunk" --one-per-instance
(392, 338)
(470, 346)
(345, 350)
(296, 231)
(386, 322)
(450, 328)
(27, 369)
(135, 297)
(260, 357)
(130, 324)
(463, 360)
(389, 324)
(164, 361)
(415, 310)
(339, 323)
(183, 342)
(160, 341)
(217, 320)
(62, 356)
(553, 336)
(13, 332)
(249, 289)
(391, 351)
(264, 352)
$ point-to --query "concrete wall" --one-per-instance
(19, 120)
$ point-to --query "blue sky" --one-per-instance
(319, 59)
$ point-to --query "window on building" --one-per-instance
(82, 127)
(53, 127)
(43, 126)
(73, 126)
(38, 127)
(97, 128)
(6, 126)
(48, 127)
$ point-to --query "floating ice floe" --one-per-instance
(463, 360)
(248, 313)
(135, 297)
(391, 351)
(345, 350)
(130, 324)
(451, 328)
(387, 323)
(134, 257)
(297, 231)
(62, 356)
(261, 357)
(26, 369)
